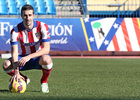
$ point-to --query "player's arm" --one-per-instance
(14, 53)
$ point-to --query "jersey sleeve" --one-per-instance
(14, 37)
(45, 33)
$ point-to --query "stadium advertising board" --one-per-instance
(89, 34)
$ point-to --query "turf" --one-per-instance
(81, 79)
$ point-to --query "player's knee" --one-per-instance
(48, 67)
(45, 60)
(6, 64)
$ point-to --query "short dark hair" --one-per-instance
(27, 7)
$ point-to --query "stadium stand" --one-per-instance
(51, 8)
(69, 8)
(3, 3)
(13, 7)
(11, 3)
(114, 8)
(73, 8)
(31, 2)
(13, 10)
(20, 3)
(4, 10)
(39, 2)
(41, 10)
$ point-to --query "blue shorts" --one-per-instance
(31, 64)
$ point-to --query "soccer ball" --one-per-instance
(18, 86)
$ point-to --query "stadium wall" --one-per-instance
(84, 36)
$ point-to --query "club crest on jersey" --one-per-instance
(38, 35)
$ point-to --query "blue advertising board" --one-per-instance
(66, 34)
(83, 34)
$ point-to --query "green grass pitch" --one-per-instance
(81, 79)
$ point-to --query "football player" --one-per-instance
(33, 39)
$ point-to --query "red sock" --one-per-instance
(45, 75)
(11, 73)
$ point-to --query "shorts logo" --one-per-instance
(38, 35)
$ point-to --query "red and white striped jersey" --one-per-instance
(30, 41)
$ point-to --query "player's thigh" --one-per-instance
(31, 64)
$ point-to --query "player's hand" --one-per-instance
(15, 77)
(23, 61)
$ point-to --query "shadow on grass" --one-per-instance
(86, 98)
(35, 91)
(2, 91)
(47, 97)
(66, 98)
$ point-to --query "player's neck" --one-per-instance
(29, 27)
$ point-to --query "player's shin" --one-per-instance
(46, 69)
(10, 72)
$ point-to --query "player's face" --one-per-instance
(28, 17)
